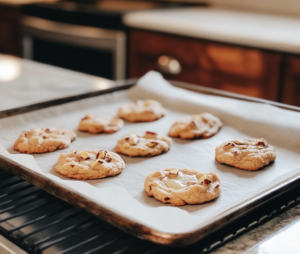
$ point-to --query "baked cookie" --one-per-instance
(148, 145)
(142, 111)
(204, 125)
(248, 154)
(182, 186)
(89, 164)
(96, 124)
(43, 140)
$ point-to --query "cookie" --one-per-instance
(204, 125)
(142, 111)
(182, 186)
(43, 140)
(97, 123)
(150, 144)
(89, 164)
(248, 154)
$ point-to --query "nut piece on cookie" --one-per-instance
(247, 154)
(142, 111)
(204, 125)
(43, 140)
(150, 144)
(89, 164)
(97, 123)
(182, 186)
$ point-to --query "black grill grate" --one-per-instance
(43, 224)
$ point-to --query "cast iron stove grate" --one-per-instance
(40, 223)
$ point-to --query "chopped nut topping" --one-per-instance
(230, 144)
(127, 138)
(58, 132)
(242, 147)
(207, 179)
(101, 154)
(134, 140)
(108, 159)
(48, 130)
(259, 147)
(151, 133)
(40, 140)
(237, 142)
(174, 171)
(84, 155)
(74, 151)
(152, 144)
(261, 143)
(93, 163)
(217, 186)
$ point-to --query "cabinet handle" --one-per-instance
(169, 65)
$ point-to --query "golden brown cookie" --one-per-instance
(43, 140)
(89, 164)
(248, 154)
(182, 186)
(148, 145)
(142, 111)
(204, 125)
(97, 123)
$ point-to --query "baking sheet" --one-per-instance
(124, 194)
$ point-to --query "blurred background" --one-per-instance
(247, 47)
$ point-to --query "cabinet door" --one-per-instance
(10, 30)
(236, 69)
(291, 81)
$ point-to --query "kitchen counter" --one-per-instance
(247, 28)
(24, 82)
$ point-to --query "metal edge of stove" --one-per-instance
(244, 209)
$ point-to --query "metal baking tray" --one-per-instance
(248, 212)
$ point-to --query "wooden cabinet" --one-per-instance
(236, 69)
(10, 29)
(291, 81)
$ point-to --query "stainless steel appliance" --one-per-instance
(96, 51)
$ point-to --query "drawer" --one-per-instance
(291, 81)
(237, 69)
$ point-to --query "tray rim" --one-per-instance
(131, 226)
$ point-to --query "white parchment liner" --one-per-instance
(124, 194)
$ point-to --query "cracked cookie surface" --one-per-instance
(247, 154)
(98, 123)
(142, 111)
(89, 164)
(150, 144)
(181, 186)
(203, 125)
(43, 140)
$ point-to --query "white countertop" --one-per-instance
(24, 82)
(248, 28)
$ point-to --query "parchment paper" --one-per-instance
(124, 193)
